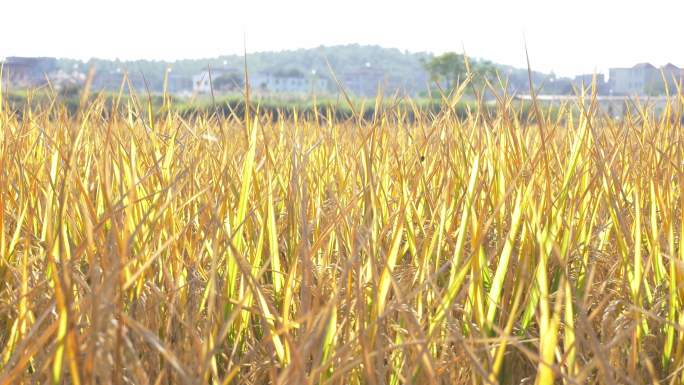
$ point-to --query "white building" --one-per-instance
(292, 82)
(644, 79)
(674, 76)
(62, 79)
(202, 82)
(365, 81)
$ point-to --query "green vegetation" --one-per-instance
(453, 68)
(337, 109)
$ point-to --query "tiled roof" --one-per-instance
(644, 65)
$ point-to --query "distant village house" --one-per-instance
(220, 79)
(289, 82)
(28, 71)
(364, 81)
(644, 79)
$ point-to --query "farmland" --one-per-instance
(486, 245)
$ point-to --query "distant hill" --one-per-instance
(360, 68)
(400, 68)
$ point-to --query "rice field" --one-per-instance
(139, 246)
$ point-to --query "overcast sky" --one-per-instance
(565, 36)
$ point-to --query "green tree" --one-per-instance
(484, 68)
(451, 68)
(448, 67)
